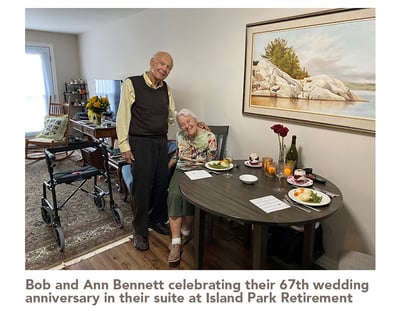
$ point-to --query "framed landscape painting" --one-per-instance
(317, 68)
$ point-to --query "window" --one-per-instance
(39, 86)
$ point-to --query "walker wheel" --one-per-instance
(59, 233)
(118, 217)
(100, 202)
(46, 216)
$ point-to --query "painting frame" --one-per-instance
(304, 22)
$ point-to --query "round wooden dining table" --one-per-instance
(230, 198)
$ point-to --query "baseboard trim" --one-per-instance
(91, 254)
(327, 263)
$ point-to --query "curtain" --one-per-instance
(39, 85)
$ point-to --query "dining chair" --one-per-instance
(221, 134)
(53, 134)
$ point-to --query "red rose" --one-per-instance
(280, 129)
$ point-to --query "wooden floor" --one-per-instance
(225, 252)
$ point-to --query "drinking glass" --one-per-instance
(228, 158)
(280, 172)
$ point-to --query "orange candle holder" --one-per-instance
(288, 169)
(271, 169)
(265, 161)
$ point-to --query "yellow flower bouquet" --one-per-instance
(96, 106)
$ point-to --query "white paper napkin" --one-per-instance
(198, 174)
(269, 204)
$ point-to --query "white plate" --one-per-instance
(248, 179)
(325, 199)
(217, 169)
(291, 180)
(247, 163)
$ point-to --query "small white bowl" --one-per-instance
(248, 179)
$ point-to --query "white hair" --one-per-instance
(156, 56)
(185, 112)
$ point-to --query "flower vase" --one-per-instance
(98, 119)
(91, 116)
(281, 159)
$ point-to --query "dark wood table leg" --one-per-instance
(259, 246)
(247, 235)
(308, 245)
(199, 224)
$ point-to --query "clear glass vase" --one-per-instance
(98, 119)
(281, 158)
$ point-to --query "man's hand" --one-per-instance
(203, 126)
(128, 156)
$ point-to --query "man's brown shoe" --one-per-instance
(175, 253)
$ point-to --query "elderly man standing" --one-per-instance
(146, 107)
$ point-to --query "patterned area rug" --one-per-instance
(85, 227)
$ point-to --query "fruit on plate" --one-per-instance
(224, 163)
(307, 195)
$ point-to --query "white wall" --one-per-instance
(208, 46)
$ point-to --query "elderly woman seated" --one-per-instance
(196, 146)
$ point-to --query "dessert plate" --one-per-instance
(247, 163)
(304, 182)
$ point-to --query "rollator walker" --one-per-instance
(76, 179)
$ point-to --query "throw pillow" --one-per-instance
(54, 127)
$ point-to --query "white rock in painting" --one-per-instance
(269, 80)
